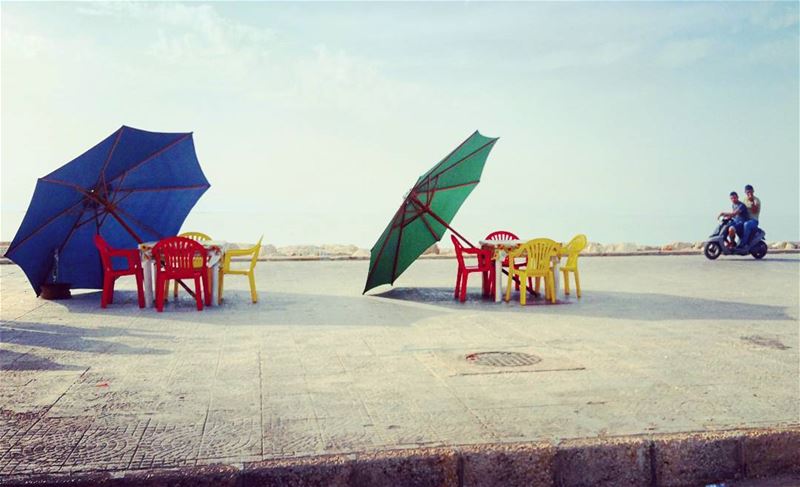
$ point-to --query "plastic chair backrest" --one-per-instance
(539, 252)
(501, 235)
(574, 248)
(178, 253)
(196, 236)
(256, 251)
(459, 250)
(104, 249)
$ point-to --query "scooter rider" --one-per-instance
(739, 215)
(753, 205)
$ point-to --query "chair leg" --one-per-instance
(207, 288)
(523, 295)
(566, 282)
(140, 287)
(111, 290)
(463, 293)
(159, 295)
(508, 286)
(457, 290)
(104, 294)
(198, 293)
(552, 288)
(175, 290)
(219, 287)
(577, 283)
(253, 293)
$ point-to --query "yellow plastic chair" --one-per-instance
(250, 273)
(572, 250)
(197, 237)
(539, 252)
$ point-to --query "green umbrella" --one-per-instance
(427, 210)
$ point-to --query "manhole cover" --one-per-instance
(503, 359)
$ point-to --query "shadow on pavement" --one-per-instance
(618, 305)
(273, 309)
(10, 360)
(72, 338)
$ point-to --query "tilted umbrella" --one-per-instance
(427, 210)
(132, 186)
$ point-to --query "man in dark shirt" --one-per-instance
(738, 216)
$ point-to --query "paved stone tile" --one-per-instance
(231, 435)
(108, 444)
(292, 437)
(45, 446)
(168, 443)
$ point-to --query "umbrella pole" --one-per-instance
(434, 215)
(124, 225)
(110, 209)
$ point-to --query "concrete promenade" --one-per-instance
(659, 352)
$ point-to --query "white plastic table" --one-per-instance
(216, 250)
(501, 249)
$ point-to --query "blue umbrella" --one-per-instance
(133, 186)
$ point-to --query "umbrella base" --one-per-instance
(56, 290)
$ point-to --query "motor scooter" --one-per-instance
(718, 243)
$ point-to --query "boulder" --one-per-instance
(268, 251)
(594, 248)
(783, 245)
(621, 248)
(299, 251)
(447, 251)
(360, 254)
(677, 246)
(432, 250)
(338, 250)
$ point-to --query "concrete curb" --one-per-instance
(672, 460)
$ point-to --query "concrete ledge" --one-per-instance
(663, 460)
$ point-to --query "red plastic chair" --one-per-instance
(175, 259)
(134, 268)
(484, 266)
(506, 235)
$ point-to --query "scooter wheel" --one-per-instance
(760, 250)
(712, 250)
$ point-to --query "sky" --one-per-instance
(629, 122)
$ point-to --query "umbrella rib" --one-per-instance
(75, 226)
(108, 159)
(397, 255)
(124, 173)
(74, 186)
(383, 245)
(38, 229)
(492, 141)
(422, 217)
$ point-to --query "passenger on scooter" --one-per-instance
(738, 216)
(753, 205)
